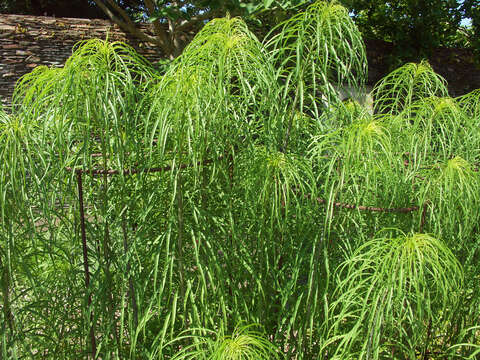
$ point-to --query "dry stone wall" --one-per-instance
(29, 41)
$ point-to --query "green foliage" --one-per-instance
(415, 27)
(391, 293)
(470, 104)
(226, 190)
(445, 184)
(314, 50)
(403, 86)
(245, 343)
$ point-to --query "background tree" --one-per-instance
(174, 21)
(415, 27)
(472, 11)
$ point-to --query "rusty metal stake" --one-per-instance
(424, 215)
(85, 261)
(131, 287)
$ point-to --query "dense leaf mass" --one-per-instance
(238, 206)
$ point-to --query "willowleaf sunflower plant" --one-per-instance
(147, 215)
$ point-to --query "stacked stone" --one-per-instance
(29, 41)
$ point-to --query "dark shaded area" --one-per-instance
(459, 67)
(61, 8)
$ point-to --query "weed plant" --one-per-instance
(233, 207)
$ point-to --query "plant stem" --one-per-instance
(130, 280)
(179, 195)
(427, 342)
(5, 279)
(290, 123)
(106, 245)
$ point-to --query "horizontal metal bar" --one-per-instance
(362, 207)
(134, 170)
(369, 208)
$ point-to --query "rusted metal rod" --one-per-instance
(424, 215)
(361, 207)
(368, 208)
(134, 170)
(85, 261)
(107, 172)
(131, 287)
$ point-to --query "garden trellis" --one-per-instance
(237, 188)
(133, 171)
(81, 207)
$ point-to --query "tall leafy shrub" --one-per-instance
(228, 190)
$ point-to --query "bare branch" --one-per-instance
(187, 24)
(129, 26)
(159, 30)
(122, 13)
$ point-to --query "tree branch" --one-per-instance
(159, 31)
(122, 13)
(177, 45)
(129, 25)
(187, 24)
